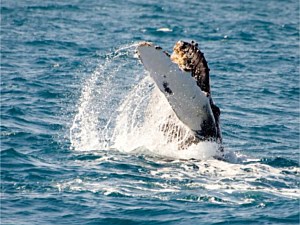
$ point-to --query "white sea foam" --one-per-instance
(211, 180)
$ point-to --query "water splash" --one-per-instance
(121, 108)
(141, 122)
(101, 94)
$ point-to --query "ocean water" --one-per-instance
(79, 114)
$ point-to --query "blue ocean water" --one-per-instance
(77, 148)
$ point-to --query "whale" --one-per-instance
(183, 78)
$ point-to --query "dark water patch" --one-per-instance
(280, 162)
(5, 10)
(293, 219)
(49, 94)
(290, 172)
(246, 36)
(149, 6)
(264, 130)
(10, 152)
(55, 43)
(86, 157)
(15, 160)
(36, 84)
(40, 174)
(19, 79)
(54, 7)
(15, 111)
(291, 29)
(261, 182)
(292, 92)
(12, 90)
(20, 21)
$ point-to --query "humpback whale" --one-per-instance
(183, 77)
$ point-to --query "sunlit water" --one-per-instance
(80, 117)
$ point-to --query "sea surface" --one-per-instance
(80, 142)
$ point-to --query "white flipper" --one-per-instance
(187, 100)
